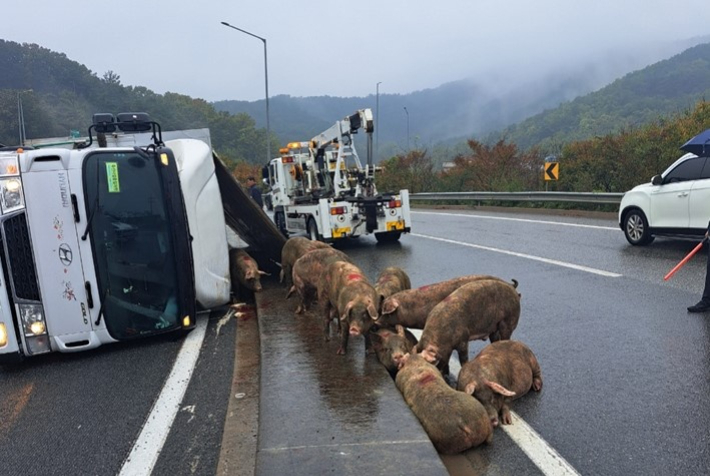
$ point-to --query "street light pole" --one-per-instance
(21, 117)
(266, 82)
(405, 110)
(377, 121)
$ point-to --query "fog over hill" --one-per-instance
(473, 107)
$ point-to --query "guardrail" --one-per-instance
(570, 197)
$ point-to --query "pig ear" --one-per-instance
(470, 388)
(498, 388)
(400, 330)
(390, 305)
(346, 311)
(372, 311)
(264, 273)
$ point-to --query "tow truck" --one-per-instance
(321, 188)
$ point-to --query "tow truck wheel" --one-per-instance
(280, 221)
(312, 229)
(389, 237)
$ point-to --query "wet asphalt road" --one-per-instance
(625, 367)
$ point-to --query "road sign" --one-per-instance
(552, 170)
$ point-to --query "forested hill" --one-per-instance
(671, 86)
(59, 95)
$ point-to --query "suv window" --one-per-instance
(706, 170)
(689, 170)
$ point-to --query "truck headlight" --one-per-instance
(3, 335)
(32, 317)
(11, 197)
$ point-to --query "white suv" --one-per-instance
(675, 202)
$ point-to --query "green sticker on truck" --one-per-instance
(114, 185)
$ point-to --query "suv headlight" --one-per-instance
(11, 197)
(32, 317)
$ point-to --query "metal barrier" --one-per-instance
(570, 197)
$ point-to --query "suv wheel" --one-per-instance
(636, 228)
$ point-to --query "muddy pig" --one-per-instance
(307, 272)
(244, 269)
(453, 423)
(477, 310)
(294, 248)
(410, 308)
(345, 291)
(503, 371)
(391, 280)
(391, 345)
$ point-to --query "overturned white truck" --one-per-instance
(117, 237)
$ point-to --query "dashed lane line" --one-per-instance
(564, 264)
(147, 447)
(527, 220)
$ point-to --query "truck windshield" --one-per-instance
(130, 232)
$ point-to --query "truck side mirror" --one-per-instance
(656, 180)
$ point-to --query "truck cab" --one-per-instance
(95, 245)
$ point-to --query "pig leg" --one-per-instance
(502, 332)
(462, 351)
(369, 349)
(344, 336)
(537, 374)
(505, 417)
(327, 313)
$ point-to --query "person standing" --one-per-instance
(254, 191)
(704, 304)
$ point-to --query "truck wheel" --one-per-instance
(312, 229)
(389, 237)
(280, 221)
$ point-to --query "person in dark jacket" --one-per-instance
(704, 304)
(254, 191)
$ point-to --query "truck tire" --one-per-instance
(312, 229)
(280, 221)
(388, 237)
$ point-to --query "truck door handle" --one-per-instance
(683, 194)
(75, 207)
(89, 297)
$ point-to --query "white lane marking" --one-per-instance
(147, 447)
(528, 220)
(578, 267)
(544, 456)
(549, 461)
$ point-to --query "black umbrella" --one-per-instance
(698, 145)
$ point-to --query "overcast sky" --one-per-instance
(337, 48)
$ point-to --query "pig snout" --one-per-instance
(355, 331)
(398, 358)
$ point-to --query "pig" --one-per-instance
(411, 307)
(391, 280)
(243, 269)
(503, 371)
(453, 420)
(294, 248)
(346, 291)
(307, 272)
(391, 345)
(484, 309)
